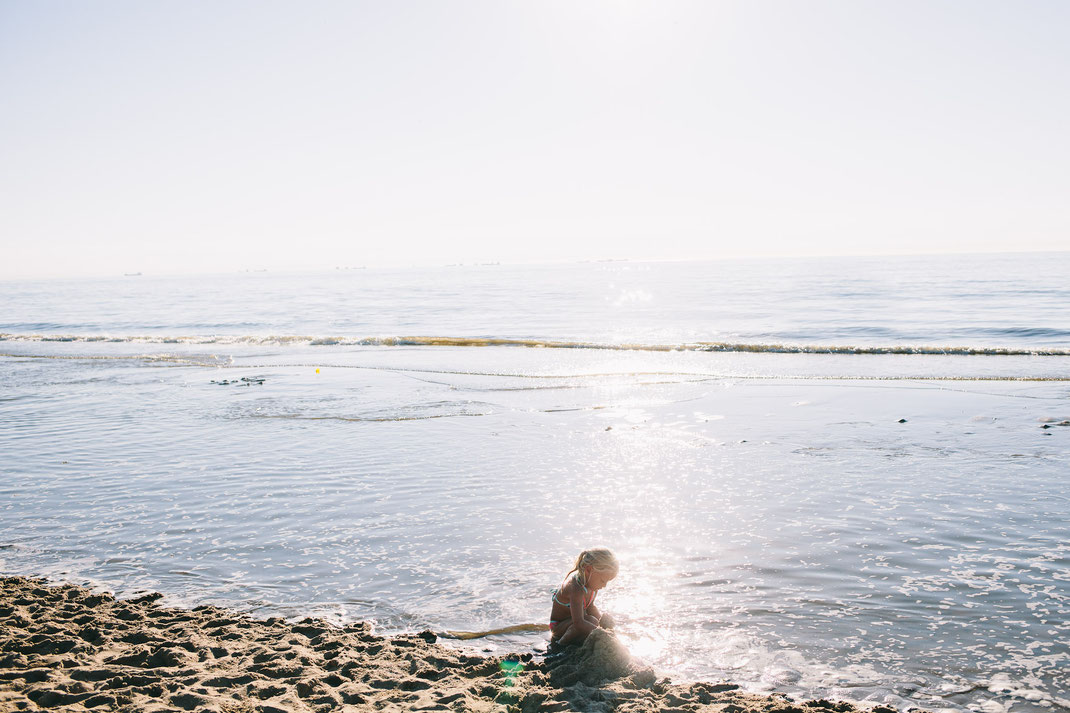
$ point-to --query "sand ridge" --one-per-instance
(68, 648)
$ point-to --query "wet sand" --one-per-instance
(68, 648)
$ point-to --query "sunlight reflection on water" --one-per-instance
(790, 534)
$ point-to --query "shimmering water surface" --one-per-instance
(883, 527)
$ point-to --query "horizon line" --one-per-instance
(490, 262)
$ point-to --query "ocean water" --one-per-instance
(843, 477)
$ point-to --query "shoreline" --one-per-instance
(68, 648)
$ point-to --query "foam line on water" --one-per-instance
(215, 362)
(448, 341)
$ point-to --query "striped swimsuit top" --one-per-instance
(588, 598)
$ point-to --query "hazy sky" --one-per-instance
(205, 136)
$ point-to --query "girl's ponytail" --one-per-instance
(600, 558)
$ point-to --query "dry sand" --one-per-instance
(67, 648)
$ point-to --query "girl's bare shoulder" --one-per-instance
(571, 585)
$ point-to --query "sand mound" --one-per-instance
(69, 649)
(602, 657)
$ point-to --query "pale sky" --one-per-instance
(206, 136)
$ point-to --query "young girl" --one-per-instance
(573, 615)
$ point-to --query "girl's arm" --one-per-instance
(594, 613)
(580, 619)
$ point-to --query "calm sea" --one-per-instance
(839, 477)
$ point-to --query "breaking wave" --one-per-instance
(432, 341)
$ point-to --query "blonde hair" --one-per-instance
(598, 558)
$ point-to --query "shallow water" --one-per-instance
(881, 527)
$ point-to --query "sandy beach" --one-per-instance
(71, 649)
